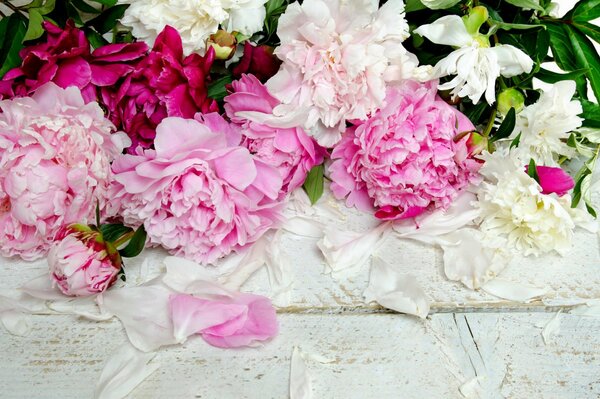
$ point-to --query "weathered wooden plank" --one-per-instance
(374, 356)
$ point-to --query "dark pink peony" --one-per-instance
(258, 61)
(290, 150)
(163, 84)
(65, 59)
(403, 160)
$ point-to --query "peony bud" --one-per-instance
(477, 17)
(81, 263)
(475, 142)
(510, 98)
(553, 180)
(223, 43)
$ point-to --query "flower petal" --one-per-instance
(449, 30)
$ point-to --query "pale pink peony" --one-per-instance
(338, 57)
(290, 150)
(226, 322)
(81, 263)
(55, 154)
(198, 193)
(403, 160)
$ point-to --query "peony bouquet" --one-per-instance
(209, 128)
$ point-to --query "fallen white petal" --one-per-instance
(188, 277)
(304, 226)
(41, 287)
(395, 291)
(471, 258)
(300, 383)
(15, 322)
(590, 308)
(552, 328)
(279, 270)
(473, 389)
(125, 370)
(85, 307)
(346, 252)
(512, 291)
(144, 312)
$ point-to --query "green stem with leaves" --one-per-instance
(123, 239)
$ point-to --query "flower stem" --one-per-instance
(490, 123)
(123, 239)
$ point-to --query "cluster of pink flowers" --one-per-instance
(55, 166)
(404, 160)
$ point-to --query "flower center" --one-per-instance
(5, 205)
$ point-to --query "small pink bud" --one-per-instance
(553, 180)
(81, 263)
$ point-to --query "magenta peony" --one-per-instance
(65, 59)
(403, 160)
(198, 193)
(226, 322)
(553, 180)
(81, 263)
(258, 61)
(290, 150)
(55, 154)
(163, 84)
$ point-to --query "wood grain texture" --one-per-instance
(374, 356)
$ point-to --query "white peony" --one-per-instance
(513, 207)
(337, 58)
(195, 20)
(545, 126)
(475, 64)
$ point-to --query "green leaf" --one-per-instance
(552, 77)
(474, 112)
(12, 42)
(108, 3)
(516, 141)
(313, 185)
(586, 57)
(34, 27)
(507, 126)
(560, 44)
(34, 4)
(217, 89)
(114, 231)
(414, 5)
(272, 5)
(74, 14)
(95, 38)
(136, 245)
(108, 19)
(85, 7)
(509, 26)
(591, 114)
(47, 7)
(530, 4)
(585, 10)
(588, 29)
(532, 170)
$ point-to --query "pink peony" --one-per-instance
(290, 150)
(258, 61)
(403, 160)
(55, 154)
(226, 322)
(197, 193)
(65, 59)
(338, 57)
(163, 84)
(81, 263)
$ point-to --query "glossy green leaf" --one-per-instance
(136, 244)
(414, 5)
(552, 77)
(585, 10)
(108, 19)
(506, 127)
(532, 170)
(591, 114)
(510, 26)
(313, 185)
(591, 30)
(217, 89)
(95, 39)
(114, 231)
(586, 57)
(34, 26)
(12, 42)
(47, 7)
(82, 6)
(108, 3)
